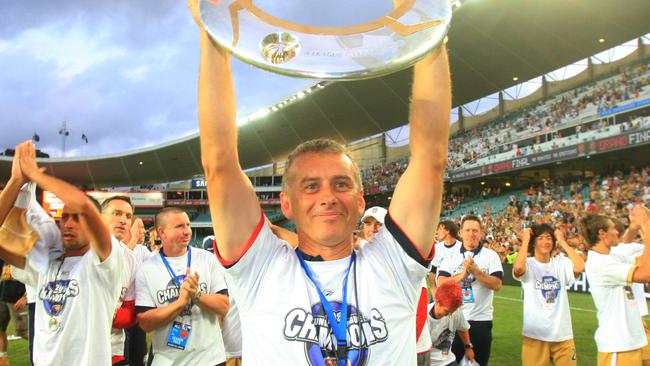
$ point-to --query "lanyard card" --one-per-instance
(468, 294)
(179, 334)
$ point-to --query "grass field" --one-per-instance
(506, 348)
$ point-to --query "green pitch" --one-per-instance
(506, 347)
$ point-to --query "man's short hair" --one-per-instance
(449, 295)
(451, 227)
(161, 216)
(591, 224)
(538, 230)
(471, 218)
(327, 146)
(124, 198)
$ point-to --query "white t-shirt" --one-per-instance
(634, 250)
(281, 314)
(232, 331)
(546, 305)
(444, 251)
(75, 307)
(127, 293)
(488, 261)
(155, 288)
(619, 323)
(142, 253)
(442, 332)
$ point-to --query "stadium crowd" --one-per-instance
(506, 134)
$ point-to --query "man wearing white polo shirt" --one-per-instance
(479, 272)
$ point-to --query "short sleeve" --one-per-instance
(217, 281)
(111, 271)
(392, 250)
(610, 270)
(461, 322)
(248, 274)
(495, 268)
(524, 277)
(143, 296)
(567, 270)
(445, 269)
(28, 275)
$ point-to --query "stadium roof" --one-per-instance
(490, 43)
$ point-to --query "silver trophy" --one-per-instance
(328, 39)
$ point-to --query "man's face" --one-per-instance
(118, 215)
(370, 227)
(610, 237)
(544, 244)
(441, 233)
(73, 234)
(471, 234)
(322, 198)
(176, 230)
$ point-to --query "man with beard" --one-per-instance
(78, 291)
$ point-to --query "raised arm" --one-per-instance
(74, 199)
(418, 194)
(574, 257)
(8, 197)
(234, 207)
(642, 272)
(519, 267)
(638, 215)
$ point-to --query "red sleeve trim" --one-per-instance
(125, 316)
(421, 313)
(251, 240)
(117, 359)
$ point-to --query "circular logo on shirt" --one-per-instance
(314, 330)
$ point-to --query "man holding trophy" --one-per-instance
(322, 303)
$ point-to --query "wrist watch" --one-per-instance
(469, 345)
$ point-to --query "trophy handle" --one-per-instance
(389, 20)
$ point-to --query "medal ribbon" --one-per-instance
(171, 271)
(338, 327)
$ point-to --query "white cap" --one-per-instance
(377, 212)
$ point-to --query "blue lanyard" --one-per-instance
(171, 271)
(339, 328)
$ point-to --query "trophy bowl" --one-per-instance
(328, 39)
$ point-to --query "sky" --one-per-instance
(123, 73)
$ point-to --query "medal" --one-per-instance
(54, 324)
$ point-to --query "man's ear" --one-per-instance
(285, 206)
(361, 203)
